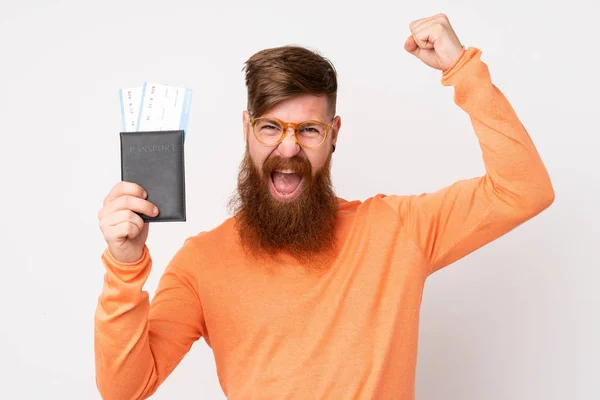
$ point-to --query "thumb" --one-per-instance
(411, 45)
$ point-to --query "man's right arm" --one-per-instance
(138, 344)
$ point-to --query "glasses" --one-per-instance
(270, 131)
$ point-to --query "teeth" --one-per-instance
(285, 171)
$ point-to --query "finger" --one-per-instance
(417, 23)
(411, 46)
(126, 229)
(132, 203)
(423, 37)
(426, 35)
(120, 216)
(419, 31)
(125, 188)
(425, 42)
(420, 23)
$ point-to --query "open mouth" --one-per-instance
(285, 184)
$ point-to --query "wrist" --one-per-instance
(127, 259)
(463, 68)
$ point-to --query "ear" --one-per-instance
(246, 123)
(335, 130)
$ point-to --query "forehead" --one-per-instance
(300, 108)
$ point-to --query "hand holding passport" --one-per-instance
(155, 119)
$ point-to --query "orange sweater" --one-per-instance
(349, 332)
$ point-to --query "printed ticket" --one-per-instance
(164, 107)
(130, 107)
(155, 107)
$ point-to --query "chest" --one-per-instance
(292, 313)
(284, 323)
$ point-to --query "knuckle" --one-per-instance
(138, 220)
(132, 230)
(127, 202)
(131, 215)
(130, 187)
(109, 237)
(120, 232)
(108, 197)
(121, 188)
(133, 188)
(117, 188)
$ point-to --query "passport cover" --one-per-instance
(155, 161)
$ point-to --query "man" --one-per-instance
(303, 295)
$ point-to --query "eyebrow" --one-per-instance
(272, 118)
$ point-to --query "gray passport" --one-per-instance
(155, 161)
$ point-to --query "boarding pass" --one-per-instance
(155, 107)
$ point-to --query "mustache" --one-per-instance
(298, 164)
(304, 228)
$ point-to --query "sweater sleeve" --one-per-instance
(456, 220)
(138, 344)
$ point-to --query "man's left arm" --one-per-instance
(454, 221)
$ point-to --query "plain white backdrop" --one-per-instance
(519, 319)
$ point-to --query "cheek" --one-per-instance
(317, 160)
(258, 153)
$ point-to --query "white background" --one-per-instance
(518, 319)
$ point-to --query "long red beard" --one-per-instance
(303, 227)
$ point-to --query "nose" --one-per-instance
(288, 147)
